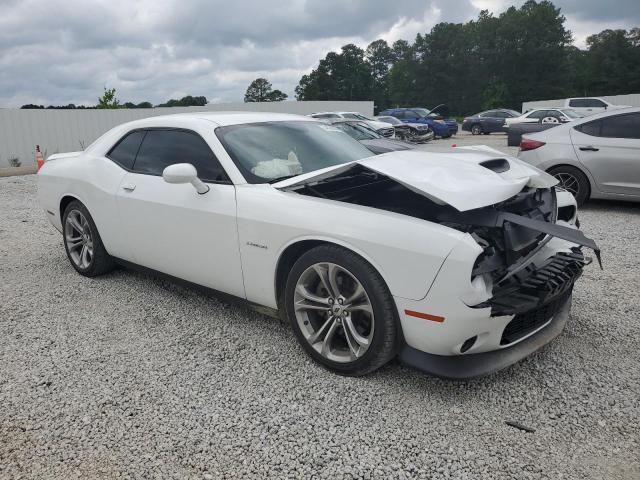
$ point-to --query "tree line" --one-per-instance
(108, 100)
(522, 54)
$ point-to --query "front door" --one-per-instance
(173, 229)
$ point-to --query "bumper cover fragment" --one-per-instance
(466, 367)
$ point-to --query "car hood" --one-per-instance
(465, 178)
(382, 144)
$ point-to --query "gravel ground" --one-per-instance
(128, 376)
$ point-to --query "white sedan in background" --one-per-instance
(460, 261)
(544, 115)
(594, 157)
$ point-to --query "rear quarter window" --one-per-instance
(124, 152)
(590, 128)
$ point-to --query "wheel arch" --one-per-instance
(298, 247)
(65, 201)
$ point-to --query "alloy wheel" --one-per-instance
(569, 183)
(550, 120)
(334, 312)
(77, 234)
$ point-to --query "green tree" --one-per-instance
(187, 101)
(339, 76)
(108, 99)
(261, 90)
(402, 75)
(379, 57)
(612, 64)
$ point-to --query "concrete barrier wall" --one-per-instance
(71, 130)
(633, 99)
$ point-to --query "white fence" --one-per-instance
(633, 99)
(71, 130)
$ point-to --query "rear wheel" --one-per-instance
(573, 181)
(476, 129)
(82, 242)
(341, 311)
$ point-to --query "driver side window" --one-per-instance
(161, 148)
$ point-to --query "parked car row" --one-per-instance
(585, 106)
(411, 124)
(383, 128)
(499, 120)
(436, 119)
(411, 132)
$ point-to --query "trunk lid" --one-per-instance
(464, 178)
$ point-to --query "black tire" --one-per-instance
(476, 129)
(583, 187)
(384, 343)
(101, 262)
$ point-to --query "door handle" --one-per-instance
(589, 149)
(129, 187)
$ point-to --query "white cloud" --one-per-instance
(152, 50)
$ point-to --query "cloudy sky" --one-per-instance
(66, 51)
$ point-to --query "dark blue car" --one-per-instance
(443, 128)
(488, 121)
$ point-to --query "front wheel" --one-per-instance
(341, 311)
(476, 130)
(82, 242)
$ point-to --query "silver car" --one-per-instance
(593, 157)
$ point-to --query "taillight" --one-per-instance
(530, 144)
(466, 119)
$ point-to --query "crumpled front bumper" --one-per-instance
(463, 334)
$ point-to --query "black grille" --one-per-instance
(525, 323)
(532, 287)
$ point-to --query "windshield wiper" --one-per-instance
(284, 177)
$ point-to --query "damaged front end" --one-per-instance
(511, 233)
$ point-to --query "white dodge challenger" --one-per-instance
(461, 261)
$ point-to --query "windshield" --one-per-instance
(571, 113)
(271, 151)
(357, 130)
(422, 112)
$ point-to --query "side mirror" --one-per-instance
(184, 173)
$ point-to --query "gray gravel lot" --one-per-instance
(129, 376)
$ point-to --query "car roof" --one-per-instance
(218, 118)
